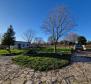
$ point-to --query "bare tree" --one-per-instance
(39, 41)
(50, 40)
(0, 38)
(58, 23)
(28, 36)
(71, 37)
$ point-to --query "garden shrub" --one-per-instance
(40, 63)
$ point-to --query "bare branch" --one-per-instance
(58, 23)
(28, 36)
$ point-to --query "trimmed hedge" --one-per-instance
(41, 63)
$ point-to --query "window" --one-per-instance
(27, 44)
(23, 45)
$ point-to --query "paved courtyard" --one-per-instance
(79, 72)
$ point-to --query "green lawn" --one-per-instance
(16, 51)
(64, 50)
(20, 51)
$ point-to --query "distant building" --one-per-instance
(21, 44)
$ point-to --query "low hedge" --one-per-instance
(40, 63)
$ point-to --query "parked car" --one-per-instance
(79, 47)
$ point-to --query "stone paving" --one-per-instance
(78, 72)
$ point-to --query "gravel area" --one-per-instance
(79, 72)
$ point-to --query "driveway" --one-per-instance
(81, 56)
(83, 53)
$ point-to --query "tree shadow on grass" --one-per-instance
(50, 54)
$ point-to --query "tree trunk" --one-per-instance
(55, 47)
(29, 44)
(8, 49)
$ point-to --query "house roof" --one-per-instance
(21, 42)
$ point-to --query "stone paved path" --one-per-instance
(79, 72)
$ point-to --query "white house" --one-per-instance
(21, 44)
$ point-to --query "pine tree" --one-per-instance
(82, 40)
(9, 37)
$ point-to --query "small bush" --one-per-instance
(40, 63)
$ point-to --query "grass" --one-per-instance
(52, 49)
(13, 51)
(58, 49)
(47, 50)
(42, 63)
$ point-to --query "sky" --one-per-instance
(30, 14)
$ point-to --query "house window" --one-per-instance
(27, 44)
(19, 45)
(23, 45)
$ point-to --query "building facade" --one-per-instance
(21, 44)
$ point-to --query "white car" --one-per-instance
(79, 47)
